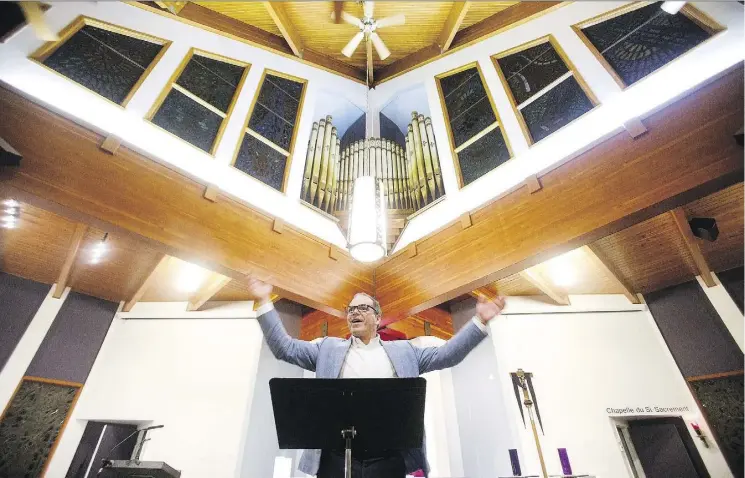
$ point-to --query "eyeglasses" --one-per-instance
(360, 308)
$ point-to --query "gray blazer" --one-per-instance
(326, 358)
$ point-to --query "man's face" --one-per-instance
(361, 317)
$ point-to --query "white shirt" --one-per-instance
(367, 361)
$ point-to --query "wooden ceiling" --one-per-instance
(312, 22)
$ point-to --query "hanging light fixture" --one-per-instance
(367, 221)
(99, 250)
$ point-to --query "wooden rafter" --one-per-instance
(145, 283)
(452, 24)
(210, 287)
(545, 286)
(72, 253)
(289, 32)
(689, 239)
(610, 270)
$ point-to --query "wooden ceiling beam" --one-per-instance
(72, 253)
(537, 279)
(612, 184)
(278, 13)
(211, 287)
(681, 222)
(452, 24)
(601, 262)
(501, 21)
(147, 281)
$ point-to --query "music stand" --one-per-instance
(378, 414)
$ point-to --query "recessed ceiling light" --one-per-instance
(11, 210)
(11, 203)
(562, 270)
(9, 218)
(190, 277)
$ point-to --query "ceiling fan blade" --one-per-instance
(346, 17)
(338, 9)
(383, 51)
(391, 21)
(368, 8)
(348, 50)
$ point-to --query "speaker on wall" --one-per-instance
(8, 155)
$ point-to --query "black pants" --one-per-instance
(390, 465)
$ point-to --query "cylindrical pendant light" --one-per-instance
(367, 220)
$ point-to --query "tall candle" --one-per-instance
(566, 468)
(515, 461)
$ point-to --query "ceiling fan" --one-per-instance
(368, 29)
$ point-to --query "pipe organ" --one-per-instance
(410, 173)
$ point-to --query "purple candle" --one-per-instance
(515, 461)
(566, 468)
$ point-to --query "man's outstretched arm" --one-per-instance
(297, 352)
(461, 344)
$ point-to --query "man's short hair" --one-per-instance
(376, 304)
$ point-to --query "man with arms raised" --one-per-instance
(364, 355)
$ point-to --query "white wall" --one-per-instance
(195, 376)
(584, 363)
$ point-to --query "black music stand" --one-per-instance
(378, 414)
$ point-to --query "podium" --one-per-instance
(376, 415)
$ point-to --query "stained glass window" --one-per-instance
(198, 103)
(544, 89)
(110, 63)
(638, 42)
(475, 131)
(268, 139)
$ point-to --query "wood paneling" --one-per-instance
(650, 255)
(726, 207)
(316, 31)
(166, 209)
(312, 324)
(414, 327)
(121, 270)
(277, 10)
(689, 152)
(37, 247)
(252, 13)
(479, 11)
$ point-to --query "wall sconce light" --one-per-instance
(700, 434)
(367, 221)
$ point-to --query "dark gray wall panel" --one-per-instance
(72, 343)
(732, 280)
(291, 315)
(694, 332)
(19, 300)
